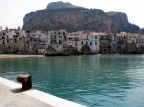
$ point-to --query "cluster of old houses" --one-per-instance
(61, 42)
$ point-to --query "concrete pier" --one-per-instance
(11, 95)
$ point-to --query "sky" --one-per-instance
(13, 11)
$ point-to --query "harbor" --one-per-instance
(11, 95)
(71, 53)
(89, 80)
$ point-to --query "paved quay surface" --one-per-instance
(11, 95)
(18, 99)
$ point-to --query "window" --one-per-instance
(95, 37)
(54, 41)
(86, 43)
(82, 43)
(95, 43)
(102, 37)
(7, 40)
(3, 42)
(15, 40)
(60, 42)
(90, 43)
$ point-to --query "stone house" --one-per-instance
(128, 43)
(140, 44)
(106, 40)
(25, 48)
(133, 45)
(72, 40)
(38, 42)
(9, 40)
(2, 41)
(58, 39)
(121, 40)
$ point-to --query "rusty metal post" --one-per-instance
(26, 81)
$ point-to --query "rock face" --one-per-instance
(120, 23)
(59, 15)
(60, 5)
(142, 30)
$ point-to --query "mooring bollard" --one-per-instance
(26, 81)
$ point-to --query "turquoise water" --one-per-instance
(94, 81)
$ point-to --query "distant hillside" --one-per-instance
(142, 30)
(59, 5)
(60, 15)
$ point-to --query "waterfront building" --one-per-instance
(58, 39)
(133, 46)
(9, 40)
(129, 43)
(38, 42)
(121, 41)
(113, 43)
(26, 49)
(106, 45)
(21, 41)
(2, 41)
(32, 42)
(80, 42)
(132, 38)
(140, 44)
(88, 43)
(71, 45)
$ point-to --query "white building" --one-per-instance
(89, 43)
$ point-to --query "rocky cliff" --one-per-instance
(59, 15)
